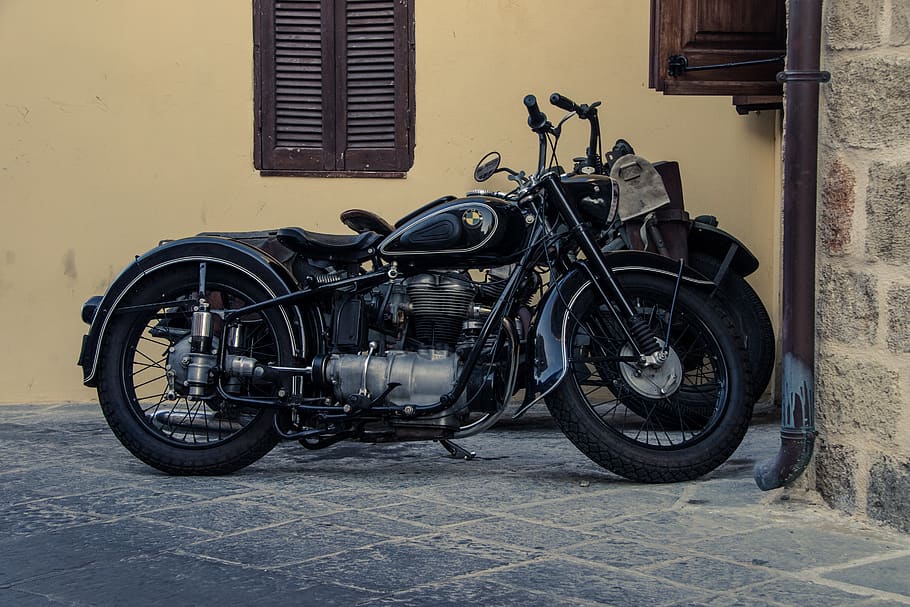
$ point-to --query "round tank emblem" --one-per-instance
(472, 218)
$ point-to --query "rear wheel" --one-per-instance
(751, 318)
(668, 424)
(157, 419)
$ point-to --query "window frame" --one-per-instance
(263, 97)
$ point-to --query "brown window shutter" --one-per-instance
(373, 47)
(295, 68)
(710, 32)
(334, 86)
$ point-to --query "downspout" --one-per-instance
(801, 78)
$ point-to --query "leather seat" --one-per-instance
(342, 247)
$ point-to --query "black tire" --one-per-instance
(612, 422)
(751, 318)
(187, 436)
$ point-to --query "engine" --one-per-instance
(430, 322)
(440, 304)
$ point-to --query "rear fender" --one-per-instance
(548, 349)
(256, 264)
(707, 238)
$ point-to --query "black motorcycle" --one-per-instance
(207, 351)
(651, 216)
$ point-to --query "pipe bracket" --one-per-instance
(803, 76)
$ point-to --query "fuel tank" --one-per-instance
(476, 231)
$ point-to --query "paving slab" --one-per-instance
(530, 521)
(889, 575)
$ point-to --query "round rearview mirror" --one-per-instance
(488, 165)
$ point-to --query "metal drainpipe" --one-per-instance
(802, 78)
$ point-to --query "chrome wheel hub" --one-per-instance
(651, 381)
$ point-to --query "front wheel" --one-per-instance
(653, 425)
(143, 362)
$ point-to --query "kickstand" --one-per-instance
(456, 451)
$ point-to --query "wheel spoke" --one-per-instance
(145, 383)
(151, 361)
(157, 342)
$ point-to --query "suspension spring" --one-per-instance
(644, 336)
(327, 279)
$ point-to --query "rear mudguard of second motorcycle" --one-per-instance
(548, 348)
(706, 237)
(255, 263)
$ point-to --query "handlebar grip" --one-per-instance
(536, 118)
(563, 102)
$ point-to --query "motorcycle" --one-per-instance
(652, 217)
(207, 351)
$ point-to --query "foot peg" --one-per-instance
(457, 451)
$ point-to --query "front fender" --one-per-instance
(549, 345)
(261, 267)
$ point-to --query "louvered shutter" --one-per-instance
(372, 128)
(333, 85)
(295, 69)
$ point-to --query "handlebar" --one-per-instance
(563, 102)
(537, 120)
(585, 112)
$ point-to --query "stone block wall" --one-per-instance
(863, 297)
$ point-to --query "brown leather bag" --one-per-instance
(666, 230)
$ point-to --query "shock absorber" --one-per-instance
(201, 333)
(200, 361)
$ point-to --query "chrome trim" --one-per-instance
(653, 270)
(391, 237)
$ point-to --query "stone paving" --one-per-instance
(531, 521)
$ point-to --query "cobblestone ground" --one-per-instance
(531, 521)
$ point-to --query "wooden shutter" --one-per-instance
(711, 32)
(334, 85)
(372, 127)
(294, 70)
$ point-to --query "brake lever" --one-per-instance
(584, 110)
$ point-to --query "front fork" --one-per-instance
(647, 346)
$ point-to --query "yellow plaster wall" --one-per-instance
(123, 122)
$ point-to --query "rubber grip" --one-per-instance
(563, 102)
(536, 118)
